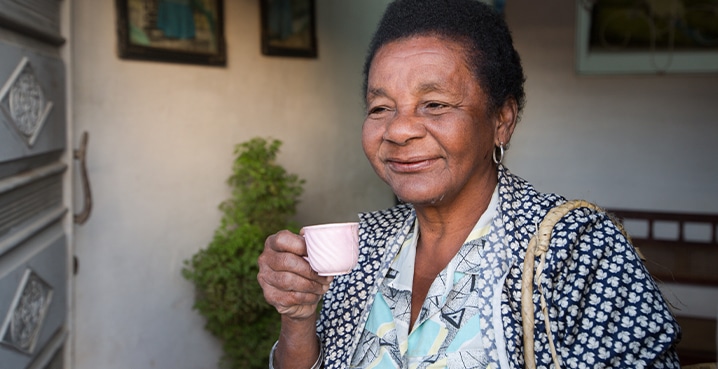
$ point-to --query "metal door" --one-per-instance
(34, 249)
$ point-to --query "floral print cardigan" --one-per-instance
(605, 310)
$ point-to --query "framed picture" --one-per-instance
(636, 36)
(178, 31)
(288, 28)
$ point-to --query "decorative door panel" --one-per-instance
(33, 303)
(34, 252)
(32, 108)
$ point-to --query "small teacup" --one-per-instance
(332, 248)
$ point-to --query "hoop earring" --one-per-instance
(502, 150)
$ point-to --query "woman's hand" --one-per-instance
(294, 289)
(288, 281)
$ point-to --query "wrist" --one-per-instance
(298, 345)
(318, 364)
(298, 329)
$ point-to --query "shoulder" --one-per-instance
(587, 237)
(521, 209)
(519, 197)
(571, 223)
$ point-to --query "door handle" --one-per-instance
(81, 154)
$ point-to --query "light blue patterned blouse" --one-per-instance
(446, 332)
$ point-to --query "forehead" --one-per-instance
(421, 44)
(420, 58)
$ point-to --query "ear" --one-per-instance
(506, 119)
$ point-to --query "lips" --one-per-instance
(411, 165)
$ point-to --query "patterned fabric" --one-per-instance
(605, 310)
(445, 334)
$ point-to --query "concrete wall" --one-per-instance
(162, 135)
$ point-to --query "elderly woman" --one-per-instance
(438, 283)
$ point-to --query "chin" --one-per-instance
(420, 200)
(417, 194)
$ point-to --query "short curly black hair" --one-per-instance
(490, 51)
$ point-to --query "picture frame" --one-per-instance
(646, 40)
(288, 28)
(176, 31)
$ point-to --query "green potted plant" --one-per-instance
(264, 198)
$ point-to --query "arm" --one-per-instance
(294, 289)
(606, 310)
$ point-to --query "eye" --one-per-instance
(435, 105)
(378, 110)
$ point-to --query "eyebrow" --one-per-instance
(430, 87)
(375, 92)
(423, 88)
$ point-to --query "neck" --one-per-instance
(443, 227)
(442, 231)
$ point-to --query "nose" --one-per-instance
(403, 127)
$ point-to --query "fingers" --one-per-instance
(286, 241)
(283, 251)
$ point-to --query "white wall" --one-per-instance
(161, 140)
(643, 142)
(161, 147)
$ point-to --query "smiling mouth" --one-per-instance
(409, 166)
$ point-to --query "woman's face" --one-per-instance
(427, 132)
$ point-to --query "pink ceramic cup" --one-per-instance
(332, 248)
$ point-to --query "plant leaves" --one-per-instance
(264, 198)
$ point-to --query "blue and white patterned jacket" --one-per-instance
(605, 310)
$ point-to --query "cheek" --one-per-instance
(371, 144)
(469, 147)
(370, 140)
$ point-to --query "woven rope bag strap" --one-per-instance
(538, 245)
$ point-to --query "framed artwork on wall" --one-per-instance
(288, 28)
(178, 31)
(638, 36)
